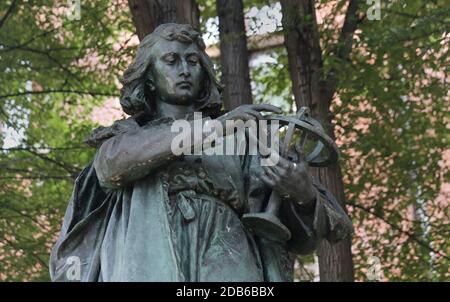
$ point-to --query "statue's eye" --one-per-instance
(170, 58)
(193, 60)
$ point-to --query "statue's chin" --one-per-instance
(181, 100)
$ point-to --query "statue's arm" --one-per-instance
(133, 155)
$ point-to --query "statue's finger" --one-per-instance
(300, 153)
(284, 163)
(268, 181)
(266, 107)
(279, 170)
(255, 113)
(271, 174)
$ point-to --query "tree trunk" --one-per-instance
(310, 89)
(233, 54)
(335, 260)
(148, 14)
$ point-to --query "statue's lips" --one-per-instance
(184, 84)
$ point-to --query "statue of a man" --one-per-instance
(139, 212)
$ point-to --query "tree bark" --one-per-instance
(233, 54)
(313, 89)
(148, 14)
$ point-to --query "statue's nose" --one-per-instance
(184, 71)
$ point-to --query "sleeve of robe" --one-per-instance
(85, 218)
(74, 256)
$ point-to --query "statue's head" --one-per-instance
(171, 66)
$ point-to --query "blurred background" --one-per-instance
(374, 72)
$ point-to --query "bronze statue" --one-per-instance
(139, 212)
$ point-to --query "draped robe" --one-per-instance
(182, 222)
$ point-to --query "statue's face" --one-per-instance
(176, 72)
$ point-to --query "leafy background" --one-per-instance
(59, 79)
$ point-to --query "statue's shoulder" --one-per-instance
(101, 134)
(128, 125)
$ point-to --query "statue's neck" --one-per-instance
(173, 111)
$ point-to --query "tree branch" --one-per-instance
(92, 93)
(397, 228)
(69, 168)
(8, 13)
(50, 58)
(32, 253)
(39, 177)
(44, 148)
(32, 39)
(344, 44)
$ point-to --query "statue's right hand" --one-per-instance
(247, 112)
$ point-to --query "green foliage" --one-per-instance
(271, 80)
(395, 90)
(53, 72)
(391, 122)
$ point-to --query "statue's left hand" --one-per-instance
(291, 180)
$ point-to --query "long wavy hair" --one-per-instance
(137, 99)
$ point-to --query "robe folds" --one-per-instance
(183, 223)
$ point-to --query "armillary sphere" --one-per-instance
(304, 137)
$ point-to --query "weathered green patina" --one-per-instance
(140, 213)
